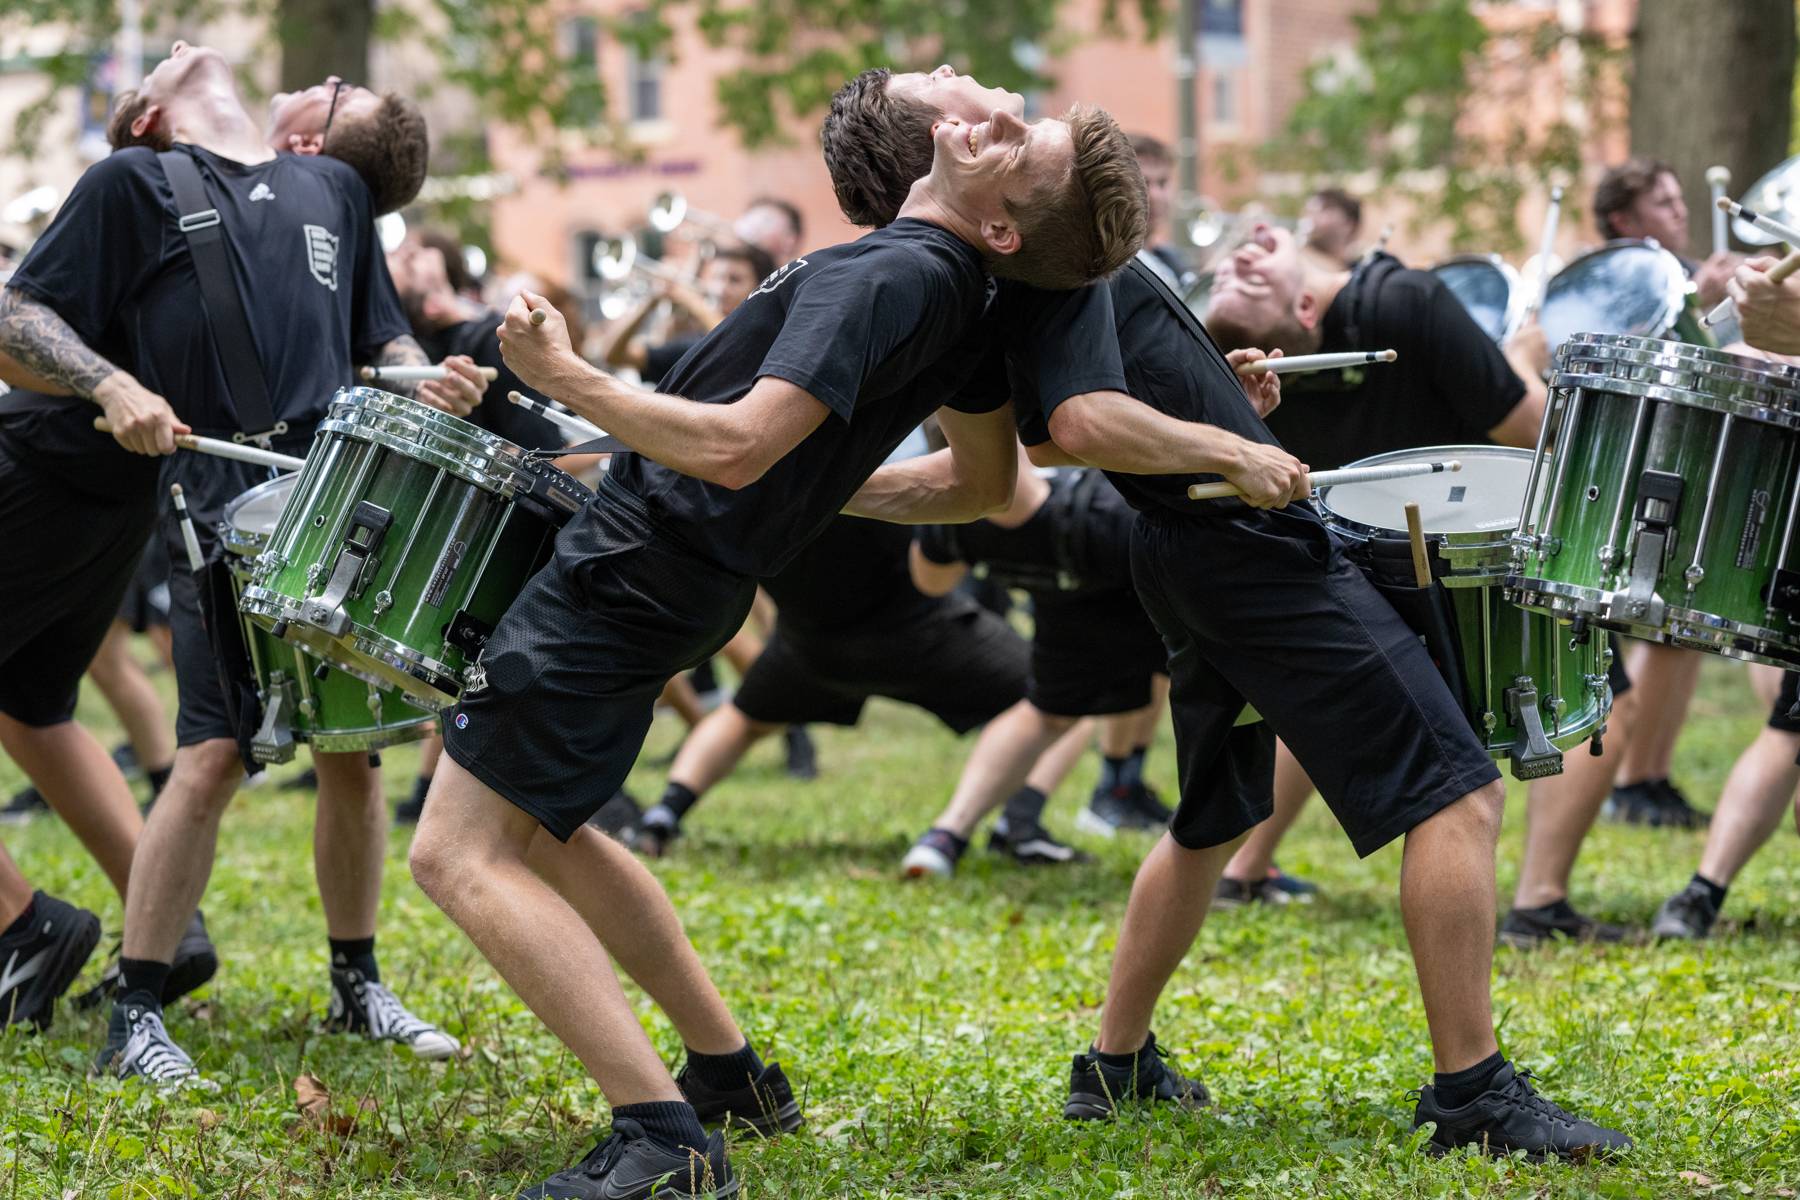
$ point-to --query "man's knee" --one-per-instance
(1484, 807)
(209, 770)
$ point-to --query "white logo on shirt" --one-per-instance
(261, 192)
(774, 281)
(322, 254)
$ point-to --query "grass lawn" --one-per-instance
(930, 1027)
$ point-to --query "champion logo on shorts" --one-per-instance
(461, 720)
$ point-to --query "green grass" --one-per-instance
(931, 1026)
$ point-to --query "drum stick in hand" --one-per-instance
(1345, 475)
(223, 449)
(568, 423)
(1786, 233)
(539, 316)
(1727, 308)
(419, 374)
(1317, 362)
(1415, 534)
(189, 539)
(1719, 179)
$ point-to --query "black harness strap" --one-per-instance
(223, 305)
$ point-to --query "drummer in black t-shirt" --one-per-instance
(850, 625)
(1067, 542)
(112, 282)
(1258, 604)
(767, 430)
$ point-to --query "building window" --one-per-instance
(643, 80)
(1221, 18)
(579, 40)
(1224, 97)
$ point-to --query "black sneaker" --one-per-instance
(124, 756)
(361, 1005)
(1095, 1090)
(1524, 928)
(1688, 914)
(305, 781)
(1033, 846)
(935, 853)
(1145, 801)
(38, 965)
(767, 1105)
(1236, 893)
(802, 756)
(1300, 889)
(1511, 1116)
(1111, 809)
(139, 1047)
(1634, 804)
(655, 831)
(1677, 813)
(628, 1165)
(24, 807)
(196, 962)
(618, 816)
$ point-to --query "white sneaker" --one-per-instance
(360, 1005)
(935, 853)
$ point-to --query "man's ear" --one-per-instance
(1001, 236)
(1306, 309)
(146, 120)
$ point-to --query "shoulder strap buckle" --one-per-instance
(205, 219)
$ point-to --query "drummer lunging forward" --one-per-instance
(769, 428)
(1257, 604)
(108, 306)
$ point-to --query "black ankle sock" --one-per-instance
(1117, 1063)
(1459, 1087)
(1715, 890)
(679, 799)
(141, 982)
(1112, 772)
(22, 922)
(671, 1123)
(726, 1072)
(1025, 808)
(355, 954)
(159, 779)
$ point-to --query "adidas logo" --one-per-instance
(261, 192)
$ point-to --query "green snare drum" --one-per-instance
(407, 535)
(303, 699)
(1663, 496)
(1530, 688)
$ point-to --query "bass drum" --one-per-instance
(1488, 288)
(1630, 287)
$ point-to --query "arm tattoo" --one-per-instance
(403, 351)
(43, 343)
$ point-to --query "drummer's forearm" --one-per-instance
(403, 351)
(1115, 432)
(44, 346)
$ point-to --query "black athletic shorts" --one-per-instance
(573, 669)
(1617, 677)
(1265, 607)
(69, 556)
(1784, 701)
(146, 602)
(958, 661)
(1093, 653)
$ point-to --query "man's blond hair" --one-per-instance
(1088, 223)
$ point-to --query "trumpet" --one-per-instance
(626, 274)
(670, 210)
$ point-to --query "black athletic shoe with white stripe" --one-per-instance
(1510, 1116)
(628, 1165)
(139, 1047)
(1031, 845)
(38, 964)
(1096, 1090)
(361, 1005)
(766, 1105)
(196, 962)
(24, 807)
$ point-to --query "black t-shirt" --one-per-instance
(660, 360)
(496, 414)
(1449, 386)
(882, 331)
(853, 576)
(1129, 335)
(300, 237)
(1079, 539)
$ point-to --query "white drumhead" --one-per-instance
(255, 512)
(1482, 497)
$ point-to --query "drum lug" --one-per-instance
(1693, 575)
(1659, 499)
(383, 601)
(1784, 594)
(368, 525)
(1532, 756)
(274, 738)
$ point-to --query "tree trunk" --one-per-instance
(1712, 83)
(324, 37)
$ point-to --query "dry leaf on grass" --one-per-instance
(313, 1098)
(208, 1119)
(1695, 1178)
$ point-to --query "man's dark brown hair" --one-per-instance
(1344, 202)
(754, 257)
(128, 107)
(1620, 188)
(1086, 224)
(390, 149)
(1151, 149)
(876, 147)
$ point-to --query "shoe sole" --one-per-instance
(1085, 1106)
(1580, 1154)
(65, 964)
(1088, 823)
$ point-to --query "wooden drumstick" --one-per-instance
(539, 316)
(1415, 533)
(223, 449)
(419, 374)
